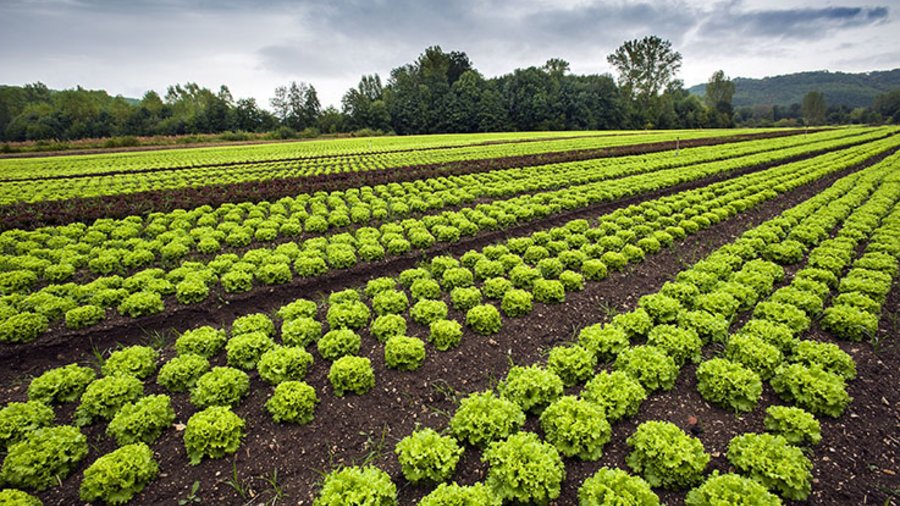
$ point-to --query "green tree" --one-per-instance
(888, 105)
(719, 92)
(646, 67)
(814, 108)
(296, 105)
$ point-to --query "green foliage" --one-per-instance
(681, 344)
(549, 291)
(615, 487)
(425, 289)
(496, 288)
(251, 323)
(522, 468)
(807, 301)
(603, 340)
(662, 308)
(573, 364)
(614, 260)
(857, 300)
(708, 326)
(523, 276)
(774, 333)
(300, 331)
(812, 388)
(577, 428)
(783, 313)
(338, 343)
(142, 304)
(283, 363)
(191, 291)
(116, 477)
(213, 432)
(45, 457)
(533, 388)
(617, 393)
(404, 353)
(828, 356)
(426, 455)
(461, 495)
(794, 424)
(104, 397)
(727, 383)
(635, 323)
(445, 334)
(351, 374)
(181, 373)
(350, 315)
(205, 341)
(849, 322)
(244, 350)
(651, 366)
(84, 316)
(772, 461)
(142, 421)
(292, 402)
(18, 419)
(387, 326)
(718, 302)
(223, 386)
(572, 281)
(357, 486)
(61, 384)
(465, 298)
(13, 497)
(300, 308)
(785, 252)
(457, 277)
(137, 361)
(754, 354)
(484, 319)
(23, 327)
(427, 311)
(665, 456)
(594, 269)
(390, 302)
(731, 490)
(483, 417)
(516, 303)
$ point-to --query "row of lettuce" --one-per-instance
(81, 305)
(13, 191)
(107, 246)
(694, 309)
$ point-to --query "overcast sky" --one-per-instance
(130, 46)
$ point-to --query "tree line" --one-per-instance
(439, 92)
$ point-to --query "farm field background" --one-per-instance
(538, 299)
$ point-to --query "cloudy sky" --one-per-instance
(130, 46)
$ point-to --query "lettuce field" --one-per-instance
(700, 317)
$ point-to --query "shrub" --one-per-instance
(292, 402)
(665, 456)
(727, 383)
(682, 345)
(651, 366)
(213, 432)
(786, 314)
(445, 334)
(387, 326)
(141, 304)
(662, 308)
(462, 495)
(46, 456)
(516, 303)
(612, 487)
(84, 316)
(464, 299)
(390, 302)
(18, 419)
(573, 364)
(338, 343)
(603, 340)
(13, 497)
(142, 421)
(484, 319)
(351, 374)
(350, 315)
(532, 387)
(61, 384)
(137, 361)
(635, 323)
(770, 460)
(426, 455)
(524, 454)
(794, 424)
(283, 363)
(754, 354)
(483, 417)
(549, 291)
(301, 331)
(849, 322)
(357, 486)
(577, 428)
(223, 386)
(812, 388)
(619, 394)
(181, 373)
(731, 489)
(425, 289)
(300, 308)
(404, 353)
(243, 350)
(428, 311)
(105, 396)
(826, 355)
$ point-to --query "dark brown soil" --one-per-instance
(355, 429)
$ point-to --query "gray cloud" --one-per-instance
(792, 23)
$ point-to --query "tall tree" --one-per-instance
(719, 92)
(645, 66)
(296, 105)
(814, 108)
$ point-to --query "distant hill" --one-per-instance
(853, 90)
